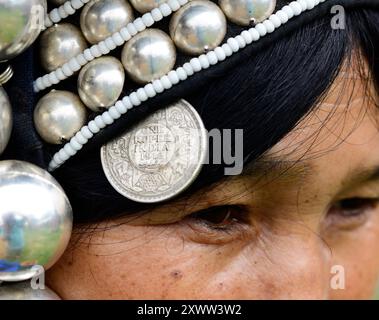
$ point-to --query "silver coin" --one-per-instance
(158, 158)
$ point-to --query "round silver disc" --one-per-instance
(158, 158)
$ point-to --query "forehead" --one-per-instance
(342, 131)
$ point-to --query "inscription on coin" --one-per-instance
(158, 158)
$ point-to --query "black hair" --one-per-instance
(267, 96)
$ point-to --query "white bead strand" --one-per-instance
(62, 12)
(104, 47)
(195, 65)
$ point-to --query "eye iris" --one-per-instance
(218, 217)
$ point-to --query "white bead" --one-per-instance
(174, 4)
(75, 144)
(247, 36)
(276, 21)
(108, 120)
(188, 69)
(79, 136)
(303, 4)
(120, 106)
(233, 43)
(204, 61)
(125, 34)
(86, 132)
(227, 49)
(182, 74)
(148, 19)
(254, 34)
(282, 15)
(261, 29)
(165, 9)
(269, 26)
(289, 11)
(166, 82)
(117, 39)
(150, 91)
(212, 58)
(241, 41)
(310, 4)
(70, 150)
(141, 94)
(127, 103)
(93, 127)
(196, 65)
(296, 8)
(173, 77)
(156, 14)
(115, 114)
(134, 99)
(100, 123)
(158, 87)
(220, 54)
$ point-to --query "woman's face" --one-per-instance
(303, 222)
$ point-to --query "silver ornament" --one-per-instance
(5, 119)
(100, 83)
(198, 27)
(21, 22)
(148, 55)
(246, 12)
(146, 5)
(6, 75)
(35, 220)
(25, 291)
(59, 44)
(158, 158)
(101, 18)
(58, 116)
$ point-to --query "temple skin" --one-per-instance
(293, 234)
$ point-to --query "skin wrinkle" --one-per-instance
(293, 241)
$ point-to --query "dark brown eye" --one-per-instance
(348, 214)
(355, 206)
(220, 217)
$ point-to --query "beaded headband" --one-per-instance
(248, 41)
(197, 28)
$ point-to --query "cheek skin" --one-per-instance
(358, 254)
(156, 263)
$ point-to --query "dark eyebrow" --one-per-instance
(287, 170)
(301, 170)
(366, 174)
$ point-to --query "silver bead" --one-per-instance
(58, 116)
(25, 291)
(21, 22)
(197, 27)
(101, 18)
(146, 5)
(100, 83)
(59, 44)
(148, 55)
(5, 119)
(35, 220)
(245, 12)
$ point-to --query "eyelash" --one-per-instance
(225, 223)
(219, 224)
(352, 212)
